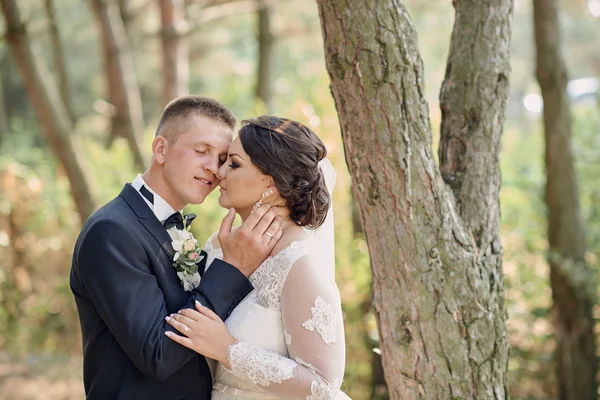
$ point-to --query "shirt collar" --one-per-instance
(162, 210)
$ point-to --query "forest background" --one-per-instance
(258, 58)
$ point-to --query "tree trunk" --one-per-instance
(59, 65)
(356, 224)
(4, 122)
(217, 11)
(124, 91)
(472, 102)
(438, 282)
(46, 103)
(126, 15)
(175, 50)
(379, 390)
(573, 291)
(265, 55)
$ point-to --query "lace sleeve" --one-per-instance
(212, 247)
(212, 243)
(312, 320)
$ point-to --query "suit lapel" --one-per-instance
(148, 219)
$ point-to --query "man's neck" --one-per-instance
(160, 187)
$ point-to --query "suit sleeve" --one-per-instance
(113, 269)
(221, 289)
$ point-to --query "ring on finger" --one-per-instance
(186, 329)
(269, 234)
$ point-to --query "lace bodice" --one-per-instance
(289, 331)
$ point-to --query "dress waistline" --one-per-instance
(241, 392)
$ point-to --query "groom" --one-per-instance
(122, 275)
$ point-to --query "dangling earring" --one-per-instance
(262, 198)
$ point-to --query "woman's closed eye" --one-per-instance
(234, 165)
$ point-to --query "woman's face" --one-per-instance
(242, 183)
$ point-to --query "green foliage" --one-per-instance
(524, 232)
(37, 314)
(37, 224)
(587, 148)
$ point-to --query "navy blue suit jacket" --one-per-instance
(124, 287)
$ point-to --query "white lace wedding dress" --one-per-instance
(289, 331)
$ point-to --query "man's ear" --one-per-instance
(160, 147)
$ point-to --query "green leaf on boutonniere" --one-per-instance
(187, 255)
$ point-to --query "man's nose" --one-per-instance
(221, 171)
(213, 166)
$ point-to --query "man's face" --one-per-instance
(190, 164)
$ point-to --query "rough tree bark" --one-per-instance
(124, 92)
(175, 50)
(60, 68)
(264, 69)
(356, 224)
(49, 109)
(573, 291)
(435, 250)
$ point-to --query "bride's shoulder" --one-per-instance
(288, 238)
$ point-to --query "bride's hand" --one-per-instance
(204, 332)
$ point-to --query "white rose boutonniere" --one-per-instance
(187, 255)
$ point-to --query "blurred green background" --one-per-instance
(40, 343)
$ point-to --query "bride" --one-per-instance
(285, 340)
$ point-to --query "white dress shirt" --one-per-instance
(161, 208)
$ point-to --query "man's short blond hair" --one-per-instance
(173, 119)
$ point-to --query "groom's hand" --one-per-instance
(253, 241)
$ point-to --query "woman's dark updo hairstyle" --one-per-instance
(290, 153)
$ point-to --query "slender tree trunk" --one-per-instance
(124, 91)
(438, 282)
(59, 65)
(573, 292)
(46, 103)
(4, 122)
(265, 54)
(175, 50)
(221, 10)
(126, 15)
(5, 128)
